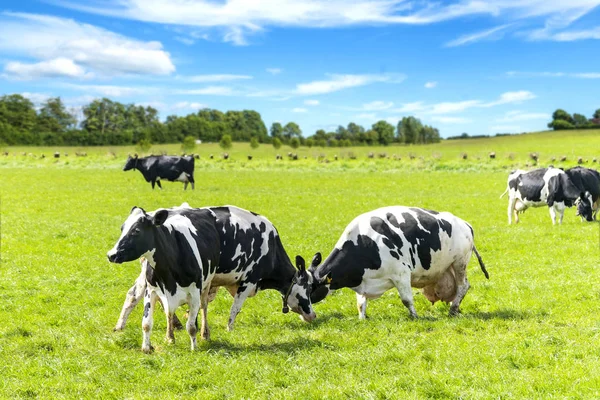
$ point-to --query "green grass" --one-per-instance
(531, 331)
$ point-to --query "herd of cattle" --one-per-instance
(187, 253)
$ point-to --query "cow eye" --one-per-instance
(136, 231)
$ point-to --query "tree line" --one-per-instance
(563, 120)
(107, 122)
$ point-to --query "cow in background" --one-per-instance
(543, 187)
(171, 168)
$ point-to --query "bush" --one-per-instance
(225, 142)
(294, 143)
(310, 143)
(189, 144)
(143, 146)
(560, 124)
(276, 143)
(254, 143)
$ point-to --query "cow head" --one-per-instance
(584, 207)
(137, 236)
(298, 296)
(131, 163)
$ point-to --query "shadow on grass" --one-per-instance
(289, 347)
(504, 314)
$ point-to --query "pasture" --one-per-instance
(531, 331)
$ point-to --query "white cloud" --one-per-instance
(411, 107)
(311, 102)
(186, 105)
(111, 90)
(235, 19)
(451, 120)
(580, 75)
(367, 116)
(185, 40)
(452, 107)
(576, 35)
(299, 110)
(215, 78)
(340, 82)
(430, 85)
(513, 116)
(489, 34)
(511, 97)
(36, 98)
(49, 39)
(209, 91)
(58, 67)
(274, 71)
(377, 105)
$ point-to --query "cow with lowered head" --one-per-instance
(550, 187)
(171, 168)
(398, 247)
(251, 257)
(587, 181)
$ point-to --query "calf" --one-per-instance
(540, 187)
(171, 168)
(251, 258)
(399, 247)
(587, 180)
(182, 250)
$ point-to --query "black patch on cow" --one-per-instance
(391, 239)
(530, 184)
(146, 309)
(424, 240)
(395, 255)
(346, 266)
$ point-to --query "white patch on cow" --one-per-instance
(149, 255)
(183, 225)
(183, 177)
(135, 215)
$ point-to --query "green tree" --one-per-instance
(409, 129)
(276, 130)
(385, 132)
(291, 129)
(579, 120)
(560, 114)
(310, 142)
(54, 117)
(189, 144)
(560, 124)
(295, 142)
(225, 142)
(597, 114)
(254, 143)
(277, 143)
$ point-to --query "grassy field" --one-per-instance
(531, 331)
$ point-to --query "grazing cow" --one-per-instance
(183, 251)
(544, 186)
(587, 180)
(171, 168)
(399, 247)
(251, 258)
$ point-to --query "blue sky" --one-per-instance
(480, 67)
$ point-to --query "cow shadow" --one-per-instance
(287, 347)
(506, 314)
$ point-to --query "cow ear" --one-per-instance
(137, 210)
(160, 217)
(315, 261)
(300, 264)
(135, 155)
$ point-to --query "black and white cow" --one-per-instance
(171, 168)
(587, 180)
(401, 247)
(251, 257)
(540, 187)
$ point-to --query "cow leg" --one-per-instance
(205, 331)
(191, 179)
(159, 185)
(405, 291)
(560, 207)
(511, 209)
(147, 320)
(192, 323)
(462, 285)
(185, 185)
(361, 304)
(134, 295)
(169, 313)
(153, 183)
(238, 300)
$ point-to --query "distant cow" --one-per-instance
(251, 257)
(540, 187)
(401, 247)
(171, 168)
(587, 180)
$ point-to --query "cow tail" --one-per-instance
(502, 195)
(481, 264)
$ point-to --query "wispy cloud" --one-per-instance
(516, 115)
(214, 78)
(430, 85)
(65, 47)
(580, 75)
(111, 90)
(299, 110)
(495, 33)
(451, 120)
(339, 82)
(311, 102)
(378, 105)
(58, 67)
(186, 105)
(274, 71)
(237, 19)
(208, 91)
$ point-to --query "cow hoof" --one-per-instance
(148, 350)
(171, 340)
(118, 328)
(454, 312)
